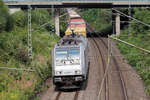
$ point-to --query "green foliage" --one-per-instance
(6, 21)
(40, 16)
(97, 16)
(15, 48)
(20, 18)
(14, 53)
(3, 15)
(3, 83)
(140, 28)
(141, 63)
(13, 44)
(12, 95)
(17, 75)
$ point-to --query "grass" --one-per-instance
(22, 85)
(141, 61)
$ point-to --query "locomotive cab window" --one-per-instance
(68, 57)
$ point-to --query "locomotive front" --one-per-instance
(70, 55)
(67, 68)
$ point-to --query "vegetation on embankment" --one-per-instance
(139, 36)
(100, 19)
(24, 85)
(5, 19)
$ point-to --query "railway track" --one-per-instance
(60, 93)
(123, 85)
(114, 87)
(76, 95)
(104, 68)
(115, 84)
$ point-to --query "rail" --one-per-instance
(60, 93)
(124, 90)
(105, 69)
(105, 78)
(17, 69)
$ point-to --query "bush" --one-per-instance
(6, 21)
(12, 95)
(141, 63)
(40, 16)
(3, 84)
(21, 18)
(14, 54)
(97, 16)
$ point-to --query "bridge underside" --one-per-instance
(56, 4)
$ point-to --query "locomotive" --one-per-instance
(70, 55)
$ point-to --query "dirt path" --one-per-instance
(112, 88)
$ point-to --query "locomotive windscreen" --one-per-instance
(67, 57)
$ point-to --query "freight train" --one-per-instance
(70, 55)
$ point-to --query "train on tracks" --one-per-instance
(70, 63)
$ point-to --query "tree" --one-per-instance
(6, 21)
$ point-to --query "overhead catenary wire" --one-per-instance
(29, 38)
(105, 74)
(51, 21)
(125, 22)
(145, 50)
(103, 80)
(18, 69)
(29, 43)
(45, 24)
(146, 54)
(147, 35)
(132, 17)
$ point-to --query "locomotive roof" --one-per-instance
(71, 40)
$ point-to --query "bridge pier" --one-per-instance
(57, 27)
(117, 18)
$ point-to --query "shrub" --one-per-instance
(141, 63)
(3, 84)
(14, 54)
(6, 21)
(20, 18)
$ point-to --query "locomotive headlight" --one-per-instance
(78, 72)
(58, 72)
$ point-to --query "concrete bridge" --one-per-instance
(77, 3)
(13, 4)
